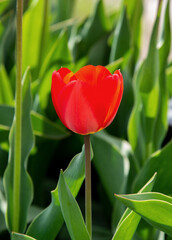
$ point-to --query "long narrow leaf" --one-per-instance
(42, 126)
(17, 236)
(155, 208)
(130, 220)
(27, 144)
(48, 223)
(71, 212)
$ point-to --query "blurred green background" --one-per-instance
(73, 33)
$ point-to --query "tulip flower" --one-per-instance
(86, 101)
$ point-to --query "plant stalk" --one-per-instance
(88, 208)
(18, 116)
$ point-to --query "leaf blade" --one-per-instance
(71, 212)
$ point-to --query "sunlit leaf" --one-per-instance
(42, 126)
(49, 222)
(160, 162)
(155, 208)
(161, 125)
(130, 220)
(71, 212)
(18, 236)
(6, 95)
(121, 39)
(27, 144)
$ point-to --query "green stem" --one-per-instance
(42, 42)
(18, 116)
(88, 210)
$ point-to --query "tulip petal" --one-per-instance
(56, 86)
(91, 74)
(88, 100)
(118, 80)
(75, 109)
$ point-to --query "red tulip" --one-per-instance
(86, 101)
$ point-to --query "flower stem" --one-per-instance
(88, 210)
(18, 116)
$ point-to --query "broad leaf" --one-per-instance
(160, 162)
(116, 156)
(42, 126)
(33, 35)
(18, 236)
(121, 39)
(64, 9)
(48, 223)
(59, 54)
(26, 146)
(6, 95)
(155, 208)
(161, 125)
(107, 153)
(71, 212)
(142, 119)
(130, 220)
(169, 79)
(96, 26)
(45, 128)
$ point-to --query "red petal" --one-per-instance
(57, 85)
(63, 72)
(75, 109)
(92, 74)
(118, 79)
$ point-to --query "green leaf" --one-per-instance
(160, 162)
(45, 128)
(27, 144)
(142, 120)
(114, 65)
(18, 236)
(96, 26)
(121, 39)
(130, 220)
(169, 79)
(58, 54)
(64, 9)
(149, 76)
(107, 153)
(161, 124)
(71, 212)
(48, 223)
(32, 30)
(155, 208)
(6, 95)
(42, 126)
(134, 10)
(117, 156)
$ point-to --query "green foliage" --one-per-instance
(155, 208)
(6, 97)
(42, 126)
(17, 236)
(27, 144)
(71, 212)
(74, 176)
(130, 220)
(135, 146)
